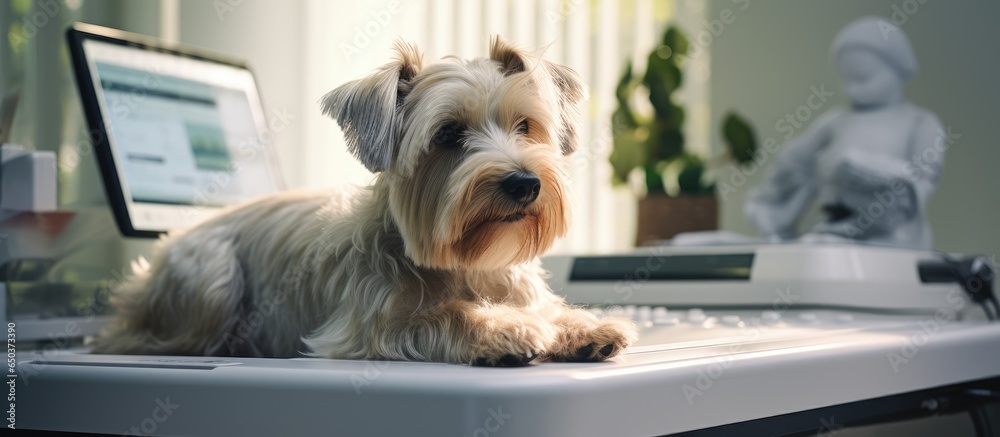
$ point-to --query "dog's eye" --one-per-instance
(449, 136)
(522, 127)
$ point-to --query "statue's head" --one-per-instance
(875, 59)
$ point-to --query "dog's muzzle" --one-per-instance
(522, 187)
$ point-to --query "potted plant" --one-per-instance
(678, 197)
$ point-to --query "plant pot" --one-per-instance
(662, 217)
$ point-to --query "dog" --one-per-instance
(436, 260)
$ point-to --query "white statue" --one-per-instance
(871, 166)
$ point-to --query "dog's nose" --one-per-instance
(522, 187)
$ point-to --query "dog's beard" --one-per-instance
(491, 231)
(501, 237)
(466, 221)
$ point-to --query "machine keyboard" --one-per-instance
(661, 328)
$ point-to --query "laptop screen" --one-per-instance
(185, 135)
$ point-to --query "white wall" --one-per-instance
(765, 62)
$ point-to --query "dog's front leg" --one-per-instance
(583, 337)
(465, 332)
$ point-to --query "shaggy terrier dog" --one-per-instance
(437, 260)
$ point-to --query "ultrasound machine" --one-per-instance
(734, 340)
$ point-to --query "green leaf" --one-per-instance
(662, 78)
(666, 142)
(629, 152)
(676, 40)
(690, 177)
(652, 144)
(677, 116)
(623, 91)
(739, 138)
(654, 181)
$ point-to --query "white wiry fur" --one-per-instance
(434, 261)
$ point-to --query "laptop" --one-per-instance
(179, 132)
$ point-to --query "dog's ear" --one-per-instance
(572, 92)
(368, 109)
(510, 58)
(569, 87)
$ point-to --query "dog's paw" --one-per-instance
(585, 340)
(511, 340)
